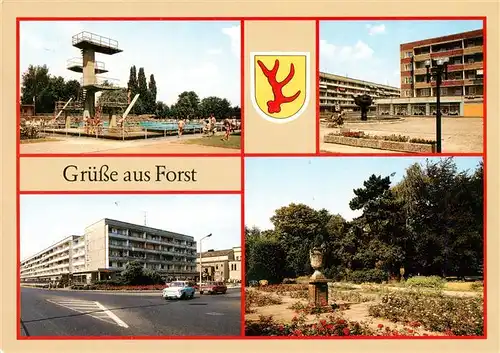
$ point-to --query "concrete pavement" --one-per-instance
(85, 313)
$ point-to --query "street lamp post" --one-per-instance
(437, 72)
(201, 267)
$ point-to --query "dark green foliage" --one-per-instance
(367, 276)
(135, 274)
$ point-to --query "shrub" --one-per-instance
(434, 282)
(350, 297)
(299, 294)
(476, 286)
(394, 138)
(362, 276)
(254, 298)
(310, 309)
(355, 134)
(109, 283)
(284, 288)
(28, 132)
(333, 325)
(459, 316)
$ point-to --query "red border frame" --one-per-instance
(242, 156)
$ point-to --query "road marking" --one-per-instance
(215, 314)
(112, 315)
(90, 308)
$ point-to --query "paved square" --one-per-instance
(459, 135)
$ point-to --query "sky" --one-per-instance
(47, 219)
(328, 183)
(369, 50)
(183, 55)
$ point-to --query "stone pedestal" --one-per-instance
(67, 121)
(112, 120)
(318, 292)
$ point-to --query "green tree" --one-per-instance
(187, 105)
(133, 274)
(133, 86)
(152, 277)
(266, 261)
(299, 228)
(152, 92)
(221, 108)
(162, 110)
(381, 227)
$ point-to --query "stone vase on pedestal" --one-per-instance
(316, 258)
(318, 284)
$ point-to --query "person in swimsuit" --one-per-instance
(180, 128)
(227, 126)
(213, 121)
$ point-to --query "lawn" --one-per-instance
(215, 141)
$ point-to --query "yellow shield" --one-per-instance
(280, 84)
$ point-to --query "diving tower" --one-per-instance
(90, 44)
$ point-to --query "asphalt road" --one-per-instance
(77, 313)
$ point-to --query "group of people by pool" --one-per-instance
(210, 126)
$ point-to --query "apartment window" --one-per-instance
(406, 93)
(408, 67)
(407, 79)
(444, 91)
(408, 54)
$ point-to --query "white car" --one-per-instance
(179, 290)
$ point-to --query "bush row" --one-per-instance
(460, 316)
(333, 325)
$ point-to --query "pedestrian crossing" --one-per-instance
(91, 308)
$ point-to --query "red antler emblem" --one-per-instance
(274, 106)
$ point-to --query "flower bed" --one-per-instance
(253, 299)
(457, 316)
(299, 294)
(349, 296)
(333, 325)
(283, 288)
(392, 142)
(117, 288)
(310, 309)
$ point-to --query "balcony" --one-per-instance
(473, 81)
(473, 50)
(447, 53)
(422, 85)
(421, 71)
(449, 83)
(76, 65)
(92, 41)
(473, 66)
(422, 57)
(456, 67)
(103, 83)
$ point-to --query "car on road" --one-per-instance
(178, 290)
(213, 288)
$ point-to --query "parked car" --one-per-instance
(178, 290)
(213, 288)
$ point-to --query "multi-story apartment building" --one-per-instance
(54, 262)
(461, 93)
(220, 265)
(335, 90)
(108, 246)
